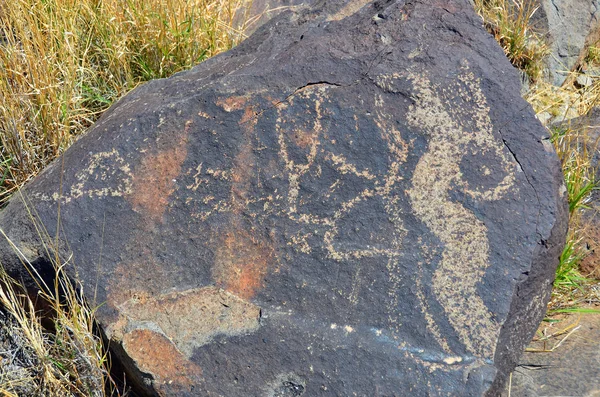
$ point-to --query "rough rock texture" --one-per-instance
(570, 26)
(354, 201)
(572, 369)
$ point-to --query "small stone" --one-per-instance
(583, 80)
(544, 117)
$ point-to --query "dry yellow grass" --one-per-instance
(509, 22)
(67, 362)
(63, 62)
(575, 150)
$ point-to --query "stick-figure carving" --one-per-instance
(373, 186)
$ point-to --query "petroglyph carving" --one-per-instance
(188, 319)
(147, 187)
(466, 248)
(91, 181)
(377, 185)
(305, 149)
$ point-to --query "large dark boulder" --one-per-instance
(354, 201)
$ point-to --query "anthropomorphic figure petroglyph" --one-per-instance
(374, 186)
(465, 254)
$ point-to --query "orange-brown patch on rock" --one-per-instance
(241, 177)
(153, 184)
(153, 353)
(193, 317)
(242, 262)
(232, 103)
(249, 119)
(244, 163)
(272, 101)
(243, 256)
(153, 178)
(304, 138)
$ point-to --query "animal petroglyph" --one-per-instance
(108, 174)
(465, 254)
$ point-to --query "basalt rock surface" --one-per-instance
(255, 13)
(354, 201)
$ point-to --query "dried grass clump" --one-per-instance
(63, 62)
(510, 23)
(48, 344)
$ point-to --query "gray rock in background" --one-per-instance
(570, 26)
(354, 201)
(572, 369)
